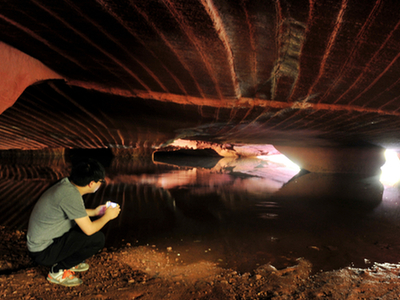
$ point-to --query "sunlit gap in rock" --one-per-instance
(391, 169)
(281, 159)
(263, 165)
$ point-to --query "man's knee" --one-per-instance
(96, 241)
(99, 239)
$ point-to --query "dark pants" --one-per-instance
(70, 249)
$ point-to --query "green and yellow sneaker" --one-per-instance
(64, 277)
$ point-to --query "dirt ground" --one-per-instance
(146, 272)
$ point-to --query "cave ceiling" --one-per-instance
(107, 73)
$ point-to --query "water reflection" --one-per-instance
(238, 213)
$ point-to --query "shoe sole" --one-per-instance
(80, 270)
(64, 284)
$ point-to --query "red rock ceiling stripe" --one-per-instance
(307, 30)
(360, 38)
(187, 30)
(390, 102)
(220, 29)
(40, 124)
(143, 44)
(253, 102)
(42, 40)
(252, 53)
(278, 41)
(87, 122)
(369, 64)
(330, 45)
(164, 39)
(375, 81)
(94, 45)
(120, 45)
(396, 108)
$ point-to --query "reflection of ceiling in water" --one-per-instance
(144, 186)
(135, 181)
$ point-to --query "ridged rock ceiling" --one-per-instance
(106, 73)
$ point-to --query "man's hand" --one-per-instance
(112, 212)
(100, 210)
(90, 227)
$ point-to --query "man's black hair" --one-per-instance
(85, 171)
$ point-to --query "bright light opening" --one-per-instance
(391, 169)
(280, 159)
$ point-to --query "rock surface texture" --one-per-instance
(131, 74)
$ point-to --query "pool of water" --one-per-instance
(239, 213)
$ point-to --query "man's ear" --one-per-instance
(90, 184)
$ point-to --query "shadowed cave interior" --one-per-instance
(194, 107)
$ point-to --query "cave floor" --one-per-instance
(145, 272)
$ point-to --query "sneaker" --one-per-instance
(64, 277)
(82, 267)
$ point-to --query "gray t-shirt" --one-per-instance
(54, 214)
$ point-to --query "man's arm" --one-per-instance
(91, 212)
(89, 227)
(99, 210)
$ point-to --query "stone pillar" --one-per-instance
(355, 160)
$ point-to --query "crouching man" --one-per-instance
(60, 233)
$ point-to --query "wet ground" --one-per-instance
(238, 215)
